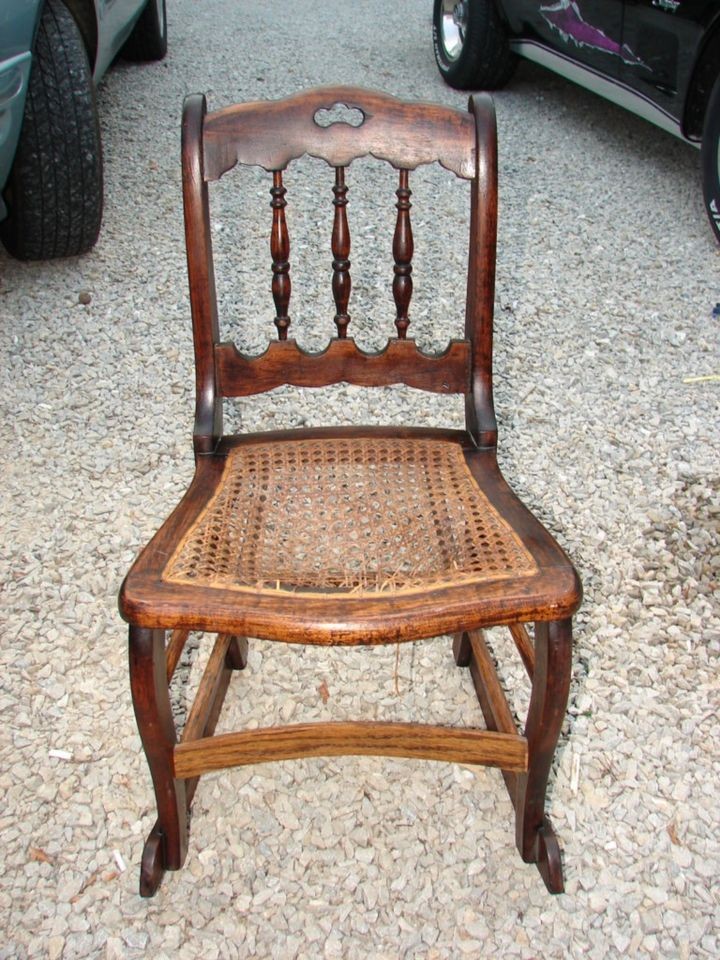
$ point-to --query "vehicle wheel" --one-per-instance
(710, 159)
(54, 192)
(471, 45)
(148, 41)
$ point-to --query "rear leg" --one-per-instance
(237, 653)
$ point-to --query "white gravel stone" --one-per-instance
(607, 276)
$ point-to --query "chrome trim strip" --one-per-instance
(612, 90)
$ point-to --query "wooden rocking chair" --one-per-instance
(301, 536)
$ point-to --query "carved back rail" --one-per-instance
(406, 135)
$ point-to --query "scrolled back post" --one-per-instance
(479, 406)
(203, 302)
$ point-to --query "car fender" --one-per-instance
(87, 17)
(512, 20)
(115, 21)
(18, 28)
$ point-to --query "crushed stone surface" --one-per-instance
(607, 279)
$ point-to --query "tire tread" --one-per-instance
(486, 61)
(148, 40)
(710, 159)
(55, 186)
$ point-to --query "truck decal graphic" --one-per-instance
(565, 18)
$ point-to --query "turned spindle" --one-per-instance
(280, 251)
(402, 253)
(341, 282)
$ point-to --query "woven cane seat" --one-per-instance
(347, 515)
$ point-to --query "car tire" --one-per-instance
(471, 45)
(710, 159)
(148, 40)
(54, 194)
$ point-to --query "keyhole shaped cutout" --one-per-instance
(339, 113)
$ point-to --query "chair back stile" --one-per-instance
(201, 275)
(271, 135)
(480, 302)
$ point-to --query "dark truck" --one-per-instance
(658, 58)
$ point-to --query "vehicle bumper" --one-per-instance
(14, 77)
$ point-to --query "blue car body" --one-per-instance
(104, 25)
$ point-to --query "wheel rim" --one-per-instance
(162, 17)
(453, 25)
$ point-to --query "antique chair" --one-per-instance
(301, 536)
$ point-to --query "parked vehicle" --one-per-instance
(52, 53)
(658, 58)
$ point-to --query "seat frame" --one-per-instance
(162, 614)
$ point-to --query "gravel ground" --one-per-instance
(607, 279)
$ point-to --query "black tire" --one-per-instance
(54, 192)
(148, 40)
(471, 50)
(710, 159)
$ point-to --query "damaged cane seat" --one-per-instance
(347, 535)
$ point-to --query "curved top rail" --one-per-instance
(405, 133)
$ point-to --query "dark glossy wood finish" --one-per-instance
(403, 254)
(270, 134)
(342, 361)
(201, 276)
(489, 681)
(541, 587)
(174, 649)
(280, 250)
(480, 302)
(167, 844)
(524, 646)
(548, 701)
(535, 836)
(152, 666)
(341, 282)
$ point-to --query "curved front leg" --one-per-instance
(166, 846)
(534, 834)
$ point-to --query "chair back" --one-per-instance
(339, 125)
